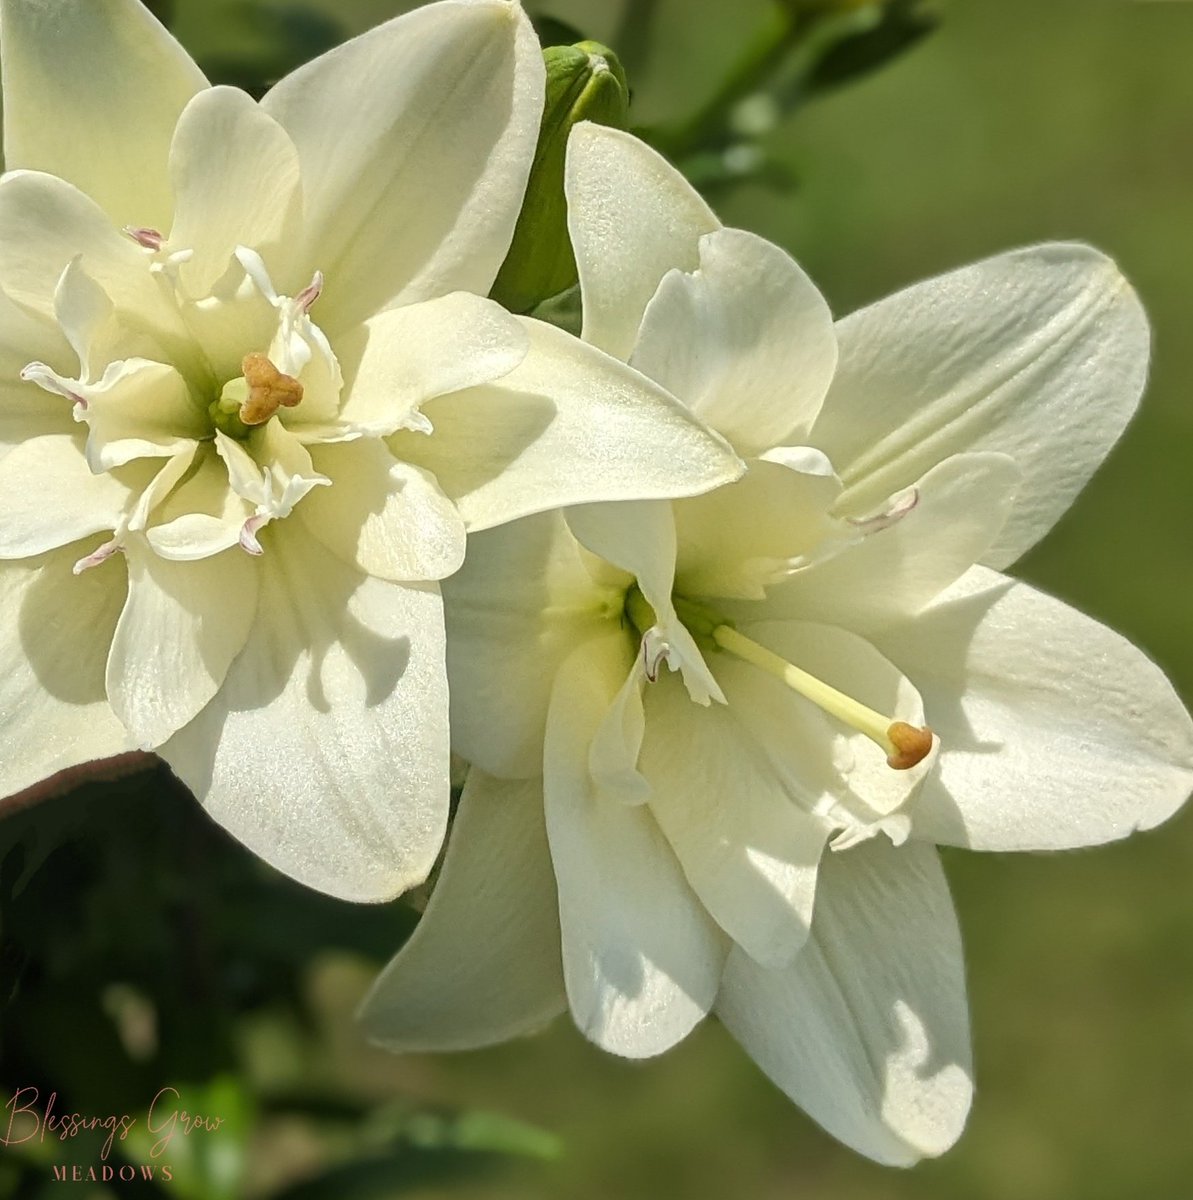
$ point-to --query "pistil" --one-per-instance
(904, 745)
(254, 397)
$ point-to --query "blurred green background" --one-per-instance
(1011, 123)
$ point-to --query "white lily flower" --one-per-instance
(729, 697)
(237, 342)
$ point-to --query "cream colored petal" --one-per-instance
(55, 628)
(181, 627)
(523, 601)
(868, 1030)
(416, 139)
(92, 91)
(483, 965)
(641, 958)
(326, 749)
(738, 809)
(570, 425)
(745, 341)
(1040, 354)
(236, 182)
(398, 360)
(386, 516)
(633, 217)
(50, 498)
(1054, 730)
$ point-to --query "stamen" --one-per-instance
(100, 555)
(901, 506)
(269, 389)
(903, 744)
(310, 293)
(50, 381)
(248, 536)
(151, 239)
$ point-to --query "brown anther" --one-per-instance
(912, 745)
(269, 389)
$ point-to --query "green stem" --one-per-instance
(708, 126)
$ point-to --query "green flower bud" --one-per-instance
(585, 82)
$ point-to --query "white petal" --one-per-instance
(640, 539)
(853, 666)
(568, 426)
(26, 411)
(957, 510)
(868, 1030)
(745, 341)
(1040, 354)
(54, 634)
(633, 217)
(182, 625)
(45, 224)
(522, 602)
(416, 140)
(202, 516)
(399, 359)
(736, 813)
(326, 750)
(739, 539)
(483, 965)
(1054, 730)
(236, 183)
(387, 517)
(92, 92)
(139, 409)
(641, 958)
(50, 498)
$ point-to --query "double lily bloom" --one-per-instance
(745, 719)
(251, 400)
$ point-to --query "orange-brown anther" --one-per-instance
(912, 745)
(269, 389)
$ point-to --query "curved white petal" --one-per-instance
(853, 666)
(941, 528)
(1054, 730)
(398, 360)
(525, 598)
(639, 538)
(236, 183)
(416, 140)
(745, 341)
(45, 224)
(641, 958)
(49, 497)
(182, 625)
(483, 965)
(868, 1030)
(55, 629)
(92, 92)
(27, 411)
(569, 426)
(203, 515)
(386, 516)
(738, 540)
(737, 810)
(632, 217)
(326, 749)
(1040, 354)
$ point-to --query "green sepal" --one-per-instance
(585, 82)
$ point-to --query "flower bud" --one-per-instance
(585, 82)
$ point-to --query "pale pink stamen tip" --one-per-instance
(309, 294)
(248, 536)
(151, 239)
(45, 379)
(892, 516)
(96, 557)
